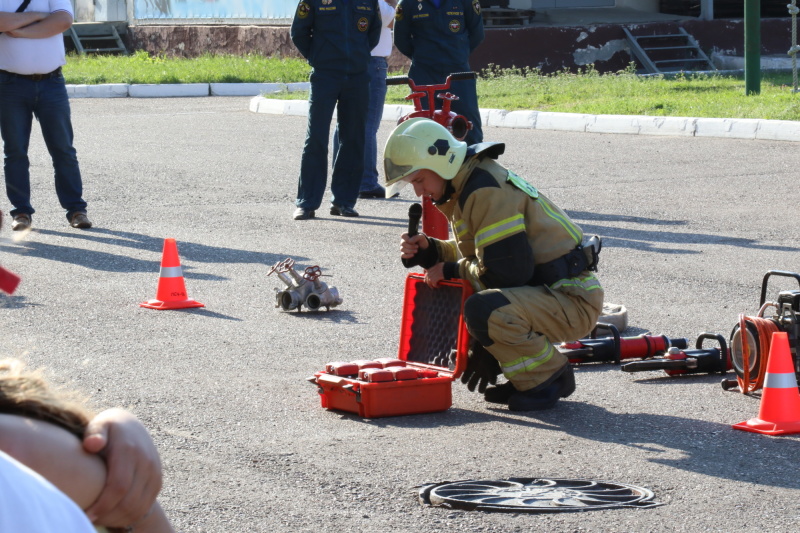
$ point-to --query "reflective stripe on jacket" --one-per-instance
(501, 232)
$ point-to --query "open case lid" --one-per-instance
(432, 329)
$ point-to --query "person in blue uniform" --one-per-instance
(439, 36)
(335, 37)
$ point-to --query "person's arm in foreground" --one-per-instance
(13, 21)
(52, 24)
(134, 467)
(78, 473)
(54, 453)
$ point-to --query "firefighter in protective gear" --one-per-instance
(533, 278)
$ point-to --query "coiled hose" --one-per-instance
(764, 329)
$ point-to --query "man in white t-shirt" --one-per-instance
(31, 85)
(30, 503)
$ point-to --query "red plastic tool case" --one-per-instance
(433, 341)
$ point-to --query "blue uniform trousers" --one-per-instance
(349, 95)
(377, 98)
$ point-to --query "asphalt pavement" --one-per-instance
(690, 226)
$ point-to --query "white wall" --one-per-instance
(84, 10)
(110, 10)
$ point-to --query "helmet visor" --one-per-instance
(395, 172)
(394, 187)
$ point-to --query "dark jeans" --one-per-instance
(378, 67)
(20, 100)
(349, 94)
(466, 90)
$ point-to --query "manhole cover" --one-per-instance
(535, 495)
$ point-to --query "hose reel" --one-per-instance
(751, 337)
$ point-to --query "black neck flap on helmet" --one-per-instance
(491, 150)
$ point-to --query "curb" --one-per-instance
(176, 90)
(245, 89)
(754, 129)
(180, 90)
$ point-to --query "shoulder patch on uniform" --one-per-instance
(522, 185)
(303, 9)
(476, 6)
(398, 13)
(479, 179)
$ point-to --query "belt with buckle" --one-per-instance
(34, 77)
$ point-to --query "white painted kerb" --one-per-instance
(772, 130)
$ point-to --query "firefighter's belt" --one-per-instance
(566, 266)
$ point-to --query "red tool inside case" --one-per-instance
(432, 354)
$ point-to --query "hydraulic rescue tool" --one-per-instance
(434, 223)
(615, 348)
(679, 361)
(303, 290)
(749, 359)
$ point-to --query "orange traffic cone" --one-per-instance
(171, 293)
(780, 400)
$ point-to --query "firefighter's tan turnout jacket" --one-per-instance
(503, 228)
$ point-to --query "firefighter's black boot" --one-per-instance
(546, 395)
(567, 382)
(503, 393)
(500, 393)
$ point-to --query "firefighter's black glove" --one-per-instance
(425, 258)
(482, 369)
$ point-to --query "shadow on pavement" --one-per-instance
(657, 240)
(708, 448)
(111, 262)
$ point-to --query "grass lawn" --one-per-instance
(622, 93)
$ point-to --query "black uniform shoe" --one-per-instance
(544, 396)
(343, 211)
(380, 192)
(301, 213)
(80, 220)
